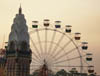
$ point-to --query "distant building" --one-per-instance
(18, 53)
(2, 62)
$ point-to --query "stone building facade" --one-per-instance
(18, 52)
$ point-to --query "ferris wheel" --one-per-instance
(58, 48)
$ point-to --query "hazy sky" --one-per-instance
(83, 15)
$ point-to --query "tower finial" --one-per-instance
(20, 10)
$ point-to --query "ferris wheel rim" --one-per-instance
(31, 32)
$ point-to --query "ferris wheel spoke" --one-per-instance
(62, 49)
(36, 57)
(35, 60)
(51, 58)
(70, 51)
(36, 50)
(59, 41)
(45, 40)
(36, 65)
(39, 42)
(68, 59)
(34, 68)
(50, 47)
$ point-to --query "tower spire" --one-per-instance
(20, 9)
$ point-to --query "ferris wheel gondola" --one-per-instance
(84, 45)
(68, 28)
(57, 24)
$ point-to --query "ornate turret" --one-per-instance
(19, 37)
(18, 53)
